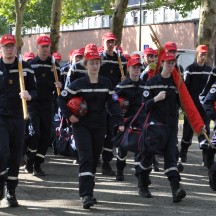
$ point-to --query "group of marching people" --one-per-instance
(100, 77)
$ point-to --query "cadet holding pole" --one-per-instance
(12, 124)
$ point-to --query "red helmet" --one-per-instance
(124, 104)
(78, 106)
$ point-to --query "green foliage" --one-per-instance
(182, 6)
(4, 27)
(38, 12)
(73, 11)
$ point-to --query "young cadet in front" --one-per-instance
(195, 78)
(89, 131)
(111, 70)
(12, 124)
(41, 110)
(131, 89)
(160, 97)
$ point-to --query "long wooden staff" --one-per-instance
(22, 85)
(120, 63)
(155, 38)
(55, 73)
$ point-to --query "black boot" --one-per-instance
(119, 175)
(156, 164)
(29, 166)
(107, 169)
(11, 198)
(144, 192)
(37, 171)
(180, 167)
(143, 182)
(183, 153)
(212, 176)
(87, 201)
(177, 192)
(208, 157)
(2, 192)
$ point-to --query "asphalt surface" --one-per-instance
(56, 194)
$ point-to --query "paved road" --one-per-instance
(57, 193)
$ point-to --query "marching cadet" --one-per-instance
(65, 68)
(89, 130)
(41, 110)
(12, 124)
(131, 89)
(209, 105)
(148, 62)
(172, 48)
(110, 69)
(57, 56)
(28, 56)
(77, 69)
(160, 97)
(195, 77)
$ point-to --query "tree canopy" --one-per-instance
(182, 6)
(38, 12)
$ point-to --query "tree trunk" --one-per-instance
(55, 24)
(19, 8)
(118, 19)
(207, 23)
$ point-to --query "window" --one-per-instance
(145, 17)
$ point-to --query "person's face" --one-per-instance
(93, 66)
(78, 58)
(8, 51)
(169, 65)
(43, 50)
(149, 59)
(134, 72)
(201, 58)
(109, 45)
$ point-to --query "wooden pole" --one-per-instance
(22, 85)
(55, 73)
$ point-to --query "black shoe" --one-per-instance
(177, 192)
(94, 200)
(144, 192)
(119, 176)
(10, 196)
(29, 167)
(156, 165)
(37, 171)
(180, 167)
(87, 201)
(2, 192)
(107, 169)
(212, 177)
(156, 168)
(183, 154)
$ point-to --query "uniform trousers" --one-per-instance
(89, 143)
(188, 134)
(170, 162)
(107, 153)
(12, 132)
(39, 132)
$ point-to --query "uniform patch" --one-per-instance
(146, 93)
(115, 97)
(64, 93)
(213, 90)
